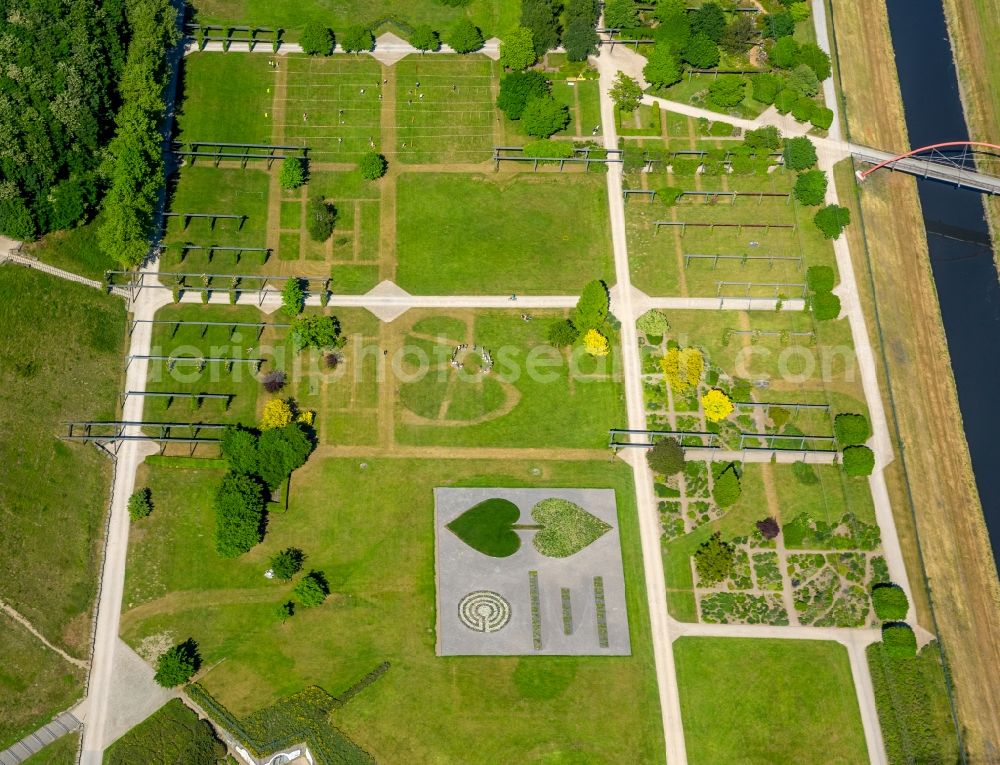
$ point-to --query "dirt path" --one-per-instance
(187, 600)
(17, 617)
(387, 186)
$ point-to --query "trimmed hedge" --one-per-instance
(898, 640)
(890, 602)
(826, 306)
(859, 461)
(851, 429)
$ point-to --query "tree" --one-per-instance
(547, 149)
(592, 307)
(562, 333)
(717, 405)
(851, 429)
(317, 39)
(726, 490)
(816, 59)
(517, 88)
(285, 610)
(858, 460)
(800, 11)
(177, 664)
(825, 306)
(739, 35)
(293, 297)
(283, 450)
(541, 17)
(544, 116)
(580, 38)
(517, 51)
(709, 20)
(356, 39)
(803, 108)
(766, 87)
(810, 187)
(714, 560)
(799, 152)
(595, 343)
(317, 331)
(682, 368)
(766, 138)
(701, 52)
(832, 220)
(821, 117)
(785, 100)
(778, 25)
(620, 14)
(820, 278)
(785, 53)
(666, 457)
(727, 90)
(274, 381)
(625, 92)
(312, 589)
(803, 81)
(287, 563)
(768, 527)
(662, 68)
(239, 448)
(320, 219)
(292, 173)
(889, 601)
(239, 515)
(140, 504)
(372, 165)
(653, 322)
(675, 24)
(464, 36)
(277, 413)
(424, 38)
(898, 640)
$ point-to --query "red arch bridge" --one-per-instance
(966, 164)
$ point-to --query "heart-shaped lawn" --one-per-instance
(567, 528)
(488, 527)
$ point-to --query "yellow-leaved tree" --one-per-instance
(277, 414)
(717, 405)
(682, 368)
(596, 344)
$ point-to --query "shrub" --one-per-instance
(889, 601)
(662, 68)
(766, 138)
(831, 220)
(682, 368)
(620, 14)
(714, 560)
(548, 149)
(785, 101)
(320, 219)
(517, 50)
(778, 25)
(821, 117)
(625, 92)
(717, 405)
(285, 610)
(766, 87)
(140, 504)
(316, 39)
(317, 331)
(372, 165)
(239, 448)
(851, 429)
(727, 90)
(859, 460)
(810, 187)
(595, 343)
(768, 527)
(356, 39)
(293, 297)
(803, 81)
(312, 589)
(292, 173)
(282, 450)
(239, 515)
(799, 153)
(816, 59)
(825, 306)
(785, 53)
(517, 88)
(898, 640)
(803, 108)
(544, 116)
(701, 52)
(277, 413)
(287, 563)
(727, 490)
(580, 37)
(653, 322)
(464, 36)
(819, 278)
(562, 333)
(592, 307)
(709, 20)
(424, 38)
(177, 664)
(274, 381)
(666, 457)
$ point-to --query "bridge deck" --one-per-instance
(925, 167)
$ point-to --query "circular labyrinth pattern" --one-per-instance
(484, 611)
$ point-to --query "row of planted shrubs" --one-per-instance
(317, 39)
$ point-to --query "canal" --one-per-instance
(958, 238)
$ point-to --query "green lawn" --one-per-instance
(226, 98)
(536, 396)
(370, 530)
(492, 16)
(747, 701)
(60, 359)
(60, 752)
(535, 234)
(75, 250)
(35, 683)
(451, 116)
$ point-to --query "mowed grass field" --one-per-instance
(226, 98)
(492, 16)
(768, 702)
(533, 234)
(370, 530)
(60, 359)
